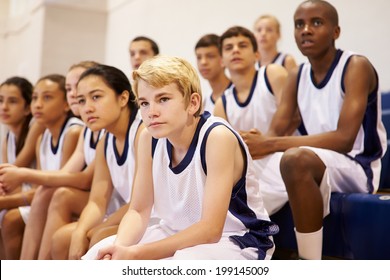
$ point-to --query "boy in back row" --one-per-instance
(211, 68)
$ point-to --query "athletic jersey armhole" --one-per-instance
(267, 83)
(284, 61)
(203, 148)
(106, 145)
(299, 75)
(224, 103)
(302, 129)
(343, 74)
(154, 144)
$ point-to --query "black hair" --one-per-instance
(114, 79)
(26, 89)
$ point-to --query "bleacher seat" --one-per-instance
(358, 224)
(356, 228)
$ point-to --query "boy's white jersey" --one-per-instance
(209, 103)
(50, 157)
(179, 190)
(90, 144)
(255, 112)
(320, 106)
(122, 167)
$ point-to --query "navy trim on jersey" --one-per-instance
(343, 74)
(276, 57)
(106, 145)
(224, 103)
(267, 83)
(259, 230)
(92, 142)
(284, 61)
(154, 144)
(274, 60)
(121, 159)
(54, 149)
(203, 147)
(302, 129)
(246, 102)
(372, 144)
(330, 71)
(191, 150)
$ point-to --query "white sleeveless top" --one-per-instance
(122, 167)
(179, 190)
(279, 59)
(90, 144)
(11, 147)
(257, 111)
(49, 156)
(320, 107)
(209, 103)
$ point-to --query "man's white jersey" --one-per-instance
(50, 156)
(122, 167)
(320, 106)
(179, 191)
(255, 112)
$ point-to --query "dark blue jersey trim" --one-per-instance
(54, 149)
(267, 83)
(121, 159)
(329, 73)
(248, 100)
(191, 150)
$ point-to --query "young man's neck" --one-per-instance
(219, 85)
(321, 64)
(181, 142)
(243, 80)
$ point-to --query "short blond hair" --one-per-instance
(162, 70)
(271, 17)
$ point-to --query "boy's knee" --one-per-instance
(295, 160)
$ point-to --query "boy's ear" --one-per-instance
(195, 102)
(336, 33)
